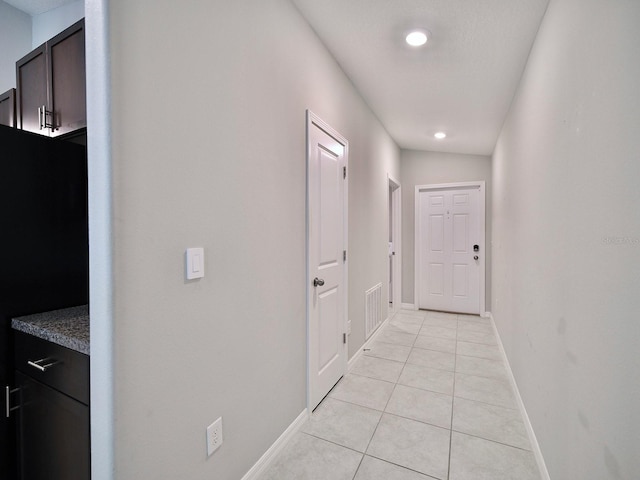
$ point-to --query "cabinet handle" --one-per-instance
(40, 117)
(37, 364)
(9, 391)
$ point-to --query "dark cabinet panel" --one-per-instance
(8, 108)
(44, 248)
(68, 84)
(31, 84)
(51, 85)
(53, 433)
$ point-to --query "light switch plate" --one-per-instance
(195, 263)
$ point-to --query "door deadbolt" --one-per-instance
(476, 248)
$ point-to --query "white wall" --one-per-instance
(423, 168)
(48, 24)
(15, 41)
(567, 238)
(208, 149)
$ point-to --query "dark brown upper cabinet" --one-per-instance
(51, 85)
(8, 108)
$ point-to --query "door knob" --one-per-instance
(318, 282)
(475, 257)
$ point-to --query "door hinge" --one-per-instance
(344, 255)
(344, 172)
(344, 338)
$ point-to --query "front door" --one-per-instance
(326, 187)
(450, 248)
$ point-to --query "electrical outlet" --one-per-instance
(214, 436)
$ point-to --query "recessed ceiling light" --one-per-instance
(416, 38)
(440, 135)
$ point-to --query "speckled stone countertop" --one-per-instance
(68, 327)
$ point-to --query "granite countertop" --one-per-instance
(68, 327)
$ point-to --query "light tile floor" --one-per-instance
(430, 399)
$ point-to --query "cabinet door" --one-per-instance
(31, 83)
(68, 84)
(53, 434)
(8, 108)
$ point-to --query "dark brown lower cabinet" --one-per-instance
(53, 424)
(53, 433)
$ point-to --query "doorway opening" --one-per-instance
(395, 246)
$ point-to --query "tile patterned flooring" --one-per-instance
(430, 399)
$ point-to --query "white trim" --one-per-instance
(409, 306)
(367, 344)
(482, 241)
(396, 275)
(101, 232)
(527, 423)
(269, 456)
(312, 118)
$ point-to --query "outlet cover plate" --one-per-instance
(214, 436)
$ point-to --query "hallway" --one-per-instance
(430, 399)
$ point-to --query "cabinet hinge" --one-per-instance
(344, 172)
(344, 338)
(344, 255)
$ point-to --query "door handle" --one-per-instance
(318, 282)
(475, 257)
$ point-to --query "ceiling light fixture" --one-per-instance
(416, 38)
(440, 135)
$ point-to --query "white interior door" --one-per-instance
(327, 159)
(450, 246)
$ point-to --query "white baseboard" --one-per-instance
(408, 306)
(486, 315)
(542, 466)
(268, 457)
(367, 344)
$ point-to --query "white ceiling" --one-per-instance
(461, 82)
(36, 7)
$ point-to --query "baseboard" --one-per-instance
(542, 466)
(408, 306)
(268, 457)
(367, 344)
(486, 315)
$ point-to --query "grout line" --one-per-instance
(453, 398)
(395, 384)
(333, 443)
(355, 474)
(493, 441)
(403, 466)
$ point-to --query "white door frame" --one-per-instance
(396, 226)
(482, 244)
(312, 119)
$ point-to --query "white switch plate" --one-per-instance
(214, 436)
(195, 263)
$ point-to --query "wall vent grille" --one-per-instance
(373, 309)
